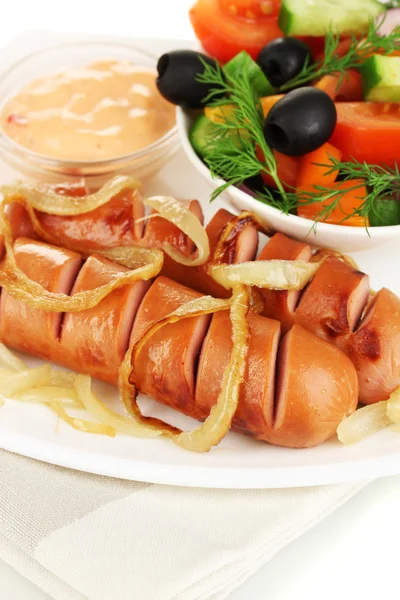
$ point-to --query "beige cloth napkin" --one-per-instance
(85, 537)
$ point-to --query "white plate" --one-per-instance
(345, 239)
(238, 462)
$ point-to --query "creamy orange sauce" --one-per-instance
(102, 111)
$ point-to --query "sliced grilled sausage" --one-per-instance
(117, 223)
(281, 305)
(21, 225)
(331, 307)
(317, 384)
(315, 389)
(375, 348)
(334, 300)
(242, 247)
(31, 330)
(256, 403)
(166, 367)
(102, 353)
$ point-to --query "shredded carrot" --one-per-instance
(311, 172)
(349, 202)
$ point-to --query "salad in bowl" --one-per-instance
(304, 130)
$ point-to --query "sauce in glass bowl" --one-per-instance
(104, 110)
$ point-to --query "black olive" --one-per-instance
(177, 71)
(300, 122)
(284, 58)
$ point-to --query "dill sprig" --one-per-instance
(380, 181)
(231, 151)
(236, 150)
(357, 52)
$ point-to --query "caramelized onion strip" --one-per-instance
(219, 421)
(148, 263)
(105, 415)
(47, 200)
(195, 308)
(229, 234)
(363, 423)
(81, 424)
(270, 274)
(173, 211)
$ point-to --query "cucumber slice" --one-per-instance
(316, 17)
(242, 63)
(202, 129)
(381, 78)
(386, 211)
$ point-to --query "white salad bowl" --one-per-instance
(340, 237)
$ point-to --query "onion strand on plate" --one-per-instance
(81, 424)
(105, 415)
(363, 423)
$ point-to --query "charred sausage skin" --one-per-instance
(295, 393)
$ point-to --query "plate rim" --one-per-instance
(130, 469)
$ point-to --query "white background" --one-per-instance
(354, 553)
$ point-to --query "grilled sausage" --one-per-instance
(182, 364)
(112, 318)
(282, 302)
(122, 222)
(331, 307)
(30, 330)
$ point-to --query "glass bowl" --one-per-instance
(37, 167)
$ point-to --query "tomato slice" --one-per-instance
(251, 9)
(368, 131)
(225, 27)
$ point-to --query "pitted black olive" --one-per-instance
(177, 73)
(284, 58)
(300, 122)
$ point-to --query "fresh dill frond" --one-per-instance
(234, 149)
(380, 181)
(357, 51)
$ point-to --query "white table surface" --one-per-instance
(353, 553)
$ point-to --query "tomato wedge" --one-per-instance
(368, 131)
(225, 27)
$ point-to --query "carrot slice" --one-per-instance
(312, 173)
(267, 102)
(288, 170)
(349, 202)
